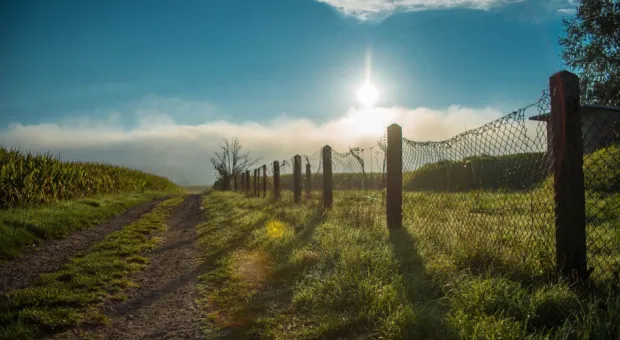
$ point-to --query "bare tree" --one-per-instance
(230, 161)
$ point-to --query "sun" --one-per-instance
(367, 95)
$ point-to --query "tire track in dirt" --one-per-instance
(51, 255)
(164, 305)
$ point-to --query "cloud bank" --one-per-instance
(158, 144)
(368, 9)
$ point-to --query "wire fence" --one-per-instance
(495, 196)
(601, 172)
(483, 194)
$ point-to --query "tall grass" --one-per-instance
(29, 179)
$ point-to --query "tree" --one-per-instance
(592, 47)
(229, 162)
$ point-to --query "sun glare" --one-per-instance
(367, 95)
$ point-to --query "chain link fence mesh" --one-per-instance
(601, 170)
(485, 195)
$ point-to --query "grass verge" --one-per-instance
(29, 226)
(284, 271)
(71, 296)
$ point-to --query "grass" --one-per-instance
(28, 179)
(29, 226)
(284, 271)
(71, 296)
(196, 189)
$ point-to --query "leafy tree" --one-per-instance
(592, 47)
(229, 162)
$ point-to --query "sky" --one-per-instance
(157, 84)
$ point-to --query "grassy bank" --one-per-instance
(29, 179)
(28, 226)
(71, 296)
(294, 272)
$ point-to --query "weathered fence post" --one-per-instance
(255, 183)
(308, 180)
(394, 171)
(235, 182)
(265, 180)
(242, 181)
(328, 188)
(247, 181)
(297, 178)
(568, 182)
(276, 180)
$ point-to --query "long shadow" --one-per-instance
(187, 242)
(208, 262)
(274, 281)
(420, 289)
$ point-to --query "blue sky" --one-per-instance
(134, 68)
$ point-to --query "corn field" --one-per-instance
(30, 179)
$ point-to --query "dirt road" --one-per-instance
(163, 306)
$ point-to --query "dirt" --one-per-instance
(164, 305)
(51, 255)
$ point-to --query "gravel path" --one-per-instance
(51, 255)
(163, 307)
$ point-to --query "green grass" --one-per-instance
(196, 189)
(71, 296)
(280, 271)
(602, 170)
(23, 227)
(28, 179)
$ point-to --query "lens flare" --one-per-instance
(275, 229)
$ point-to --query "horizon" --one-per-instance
(156, 86)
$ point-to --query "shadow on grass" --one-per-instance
(422, 292)
(277, 286)
(208, 262)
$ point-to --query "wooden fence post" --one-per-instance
(394, 199)
(308, 180)
(235, 182)
(328, 187)
(247, 180)
(276, 180)
(265, 180)
(255, 183)
(242, 181)
(297, 178)
(568, 181)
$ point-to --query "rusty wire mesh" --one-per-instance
(601, 169)
(485, 195)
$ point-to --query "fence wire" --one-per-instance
(601, 170)
(485, 195)
(286, 179)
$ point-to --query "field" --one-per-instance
(43, 198)
(474, 260)
(28, 179)
(297, 272)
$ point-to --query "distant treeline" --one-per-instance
(28, 179)
(512, 172)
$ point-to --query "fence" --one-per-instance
(512, 192)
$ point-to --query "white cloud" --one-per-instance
(564, 7)
(567, 10)
(182, 151)
(367, 9)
